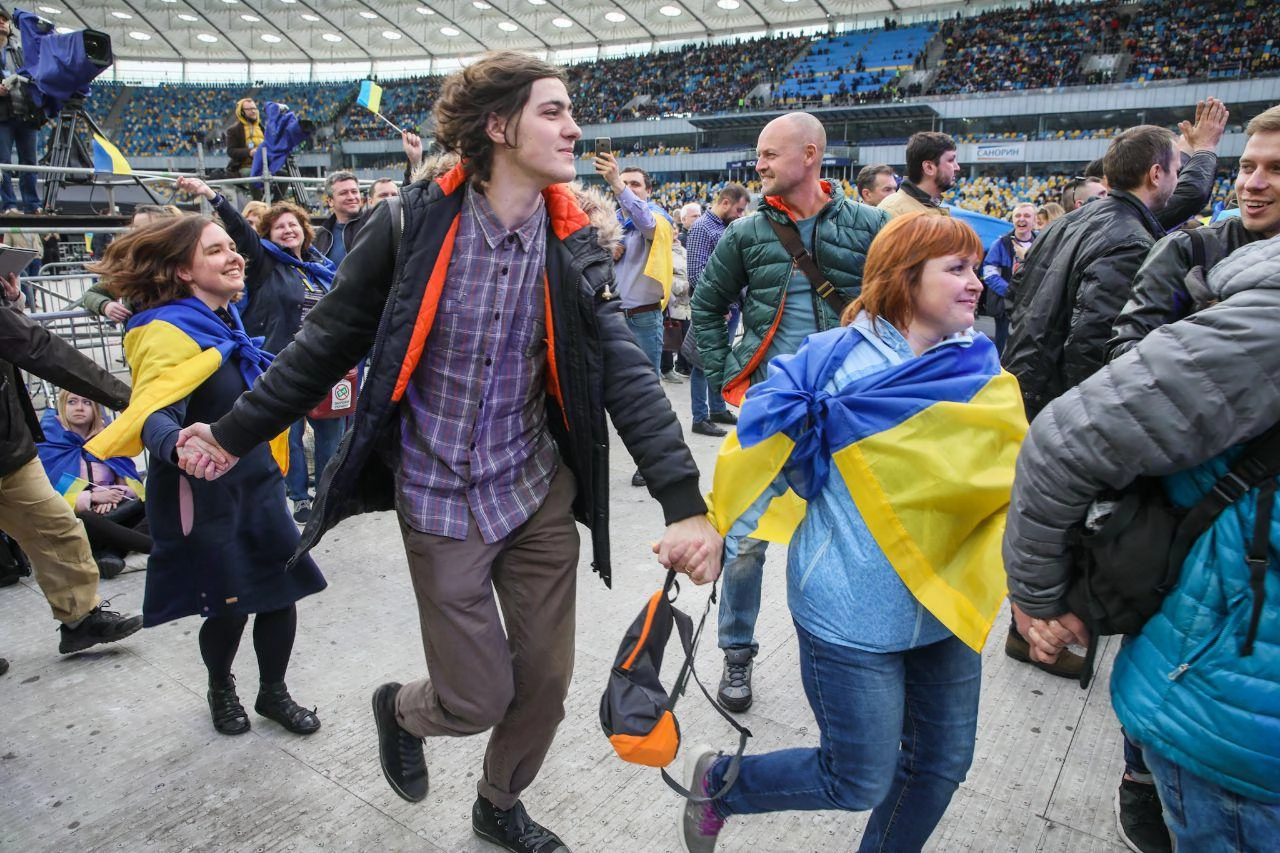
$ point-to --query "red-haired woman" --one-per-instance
(899, 432)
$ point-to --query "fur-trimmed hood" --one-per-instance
(598, 205)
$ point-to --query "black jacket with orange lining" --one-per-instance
(382, 306)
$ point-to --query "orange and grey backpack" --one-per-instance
(636, 712)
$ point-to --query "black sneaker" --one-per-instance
(100, 626)
(109, 565)
(1140, 818)
(302, 511)
(513, 829)
(708, 428)
(735, 683)
(637, 479)
(726, 417)
(4, 666)
(400, 752)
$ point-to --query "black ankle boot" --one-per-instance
(275, 703)
(228, 714)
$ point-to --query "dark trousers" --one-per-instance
(121, 531)
(479, 676)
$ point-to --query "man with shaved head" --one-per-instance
(780, 307)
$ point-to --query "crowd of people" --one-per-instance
(491, 313)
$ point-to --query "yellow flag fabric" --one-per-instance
(931, 481)
(167, 366)
(660, 265)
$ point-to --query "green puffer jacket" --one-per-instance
(751, 266)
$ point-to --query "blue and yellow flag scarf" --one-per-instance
(61, 453)
(660, 265)
(926, 449)
(172, 349)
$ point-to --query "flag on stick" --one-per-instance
(371, 99)
(107, 157)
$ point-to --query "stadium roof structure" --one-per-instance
(869, 112)
(389, 32)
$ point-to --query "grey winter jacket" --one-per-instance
(1184, 394)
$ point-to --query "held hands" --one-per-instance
(200, 455)
(103, 499)
(195, 186)
(693, 547)
(12, 292)
(1048, 637)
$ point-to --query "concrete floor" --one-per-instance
(113, 749)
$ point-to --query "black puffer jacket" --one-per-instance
(384, 300)
(1160, 293)
(1065, 298)
(28, 345)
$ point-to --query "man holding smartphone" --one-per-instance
(644, 268)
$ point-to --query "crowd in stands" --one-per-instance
(1009, 49)
(702, 78)
(1218, 38)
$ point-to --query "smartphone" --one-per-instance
(604, 145)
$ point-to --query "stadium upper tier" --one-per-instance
(1045, 45)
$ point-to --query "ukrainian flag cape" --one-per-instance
(172, 349)
(660, 264)
(926, 449)
(61, 452)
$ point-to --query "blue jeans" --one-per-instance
(896, 736)
(18, 132)
(740, 595)
(705, 401)
(327, 433)
(1208, 818)
(735, 314)
(647, 328)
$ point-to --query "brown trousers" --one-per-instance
(480, 676)
(46, 527)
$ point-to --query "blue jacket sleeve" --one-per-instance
(160, 431)
(996, 258)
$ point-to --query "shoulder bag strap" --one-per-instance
(1258, 559)
(689, 641)
(789, 237)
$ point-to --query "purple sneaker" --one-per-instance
(699, 825)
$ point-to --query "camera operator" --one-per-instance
(14, 126)
(242, 138)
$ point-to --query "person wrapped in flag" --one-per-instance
(220, 548)
(883, 452)
(106, 494)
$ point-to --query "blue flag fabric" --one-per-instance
(321, 269)
(62, 449)
(281, 133)
(56, 60)
(792, 400)
(207, 329)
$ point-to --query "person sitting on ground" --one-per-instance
(892, 594)
(220, 548)
(107, 493)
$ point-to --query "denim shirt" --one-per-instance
(840, 585)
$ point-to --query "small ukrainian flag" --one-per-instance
(370, 96)
(107, 157)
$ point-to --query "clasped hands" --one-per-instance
(200, 455)
(1046, 638)
(690, 546)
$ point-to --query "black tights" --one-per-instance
(272, 642)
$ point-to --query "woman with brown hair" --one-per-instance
(890, 443)
(221, 548)
(287, 276)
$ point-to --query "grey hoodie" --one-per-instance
(1187, 392)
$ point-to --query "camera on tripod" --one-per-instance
(57, 67)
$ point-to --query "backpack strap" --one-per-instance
(1257, 560)
(789, 237)
(1197, 248)
(689, 641)
(1197, 276)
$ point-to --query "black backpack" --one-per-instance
(13, 562)
(1126, 567)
